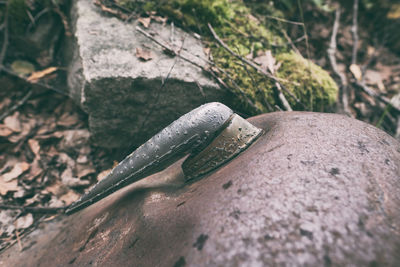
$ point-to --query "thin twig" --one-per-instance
(343, 85)
(248, 62)
(354, 31)
(284, 20)
(171, 50)
(373, 94)
(289, 40)
(18, 240)
(48, 210)
(304, 29)
(13, 74)
(16, 106)
(282, 97)
(168, 48)
(163, 83)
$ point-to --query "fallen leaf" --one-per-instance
(144, 54)
(7, 217)
(68, 120)
(57, 189)
(72, 182)
(6, 187)
(16, 171)
(34, 146)
(74, 139)
(69, 197)
(22, 67)
(373, 77)
(395, 101)
(21, 193)
(145, 21)
(356, 70)
(159, 19)
(85, 170)
(394, 12)
(13, 122)
(55, 202)
(82, 159)
(267, 61)
(35, 76)
(24, 221)
(5, 131)
(207, 52)
(35, 171)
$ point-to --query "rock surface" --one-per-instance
(315, 190)
(127, 99)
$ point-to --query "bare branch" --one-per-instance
(17, 105)
(172, 51)
(277, 87)
(373, 94)
(344, 98)
(48, 210)
(354, 31)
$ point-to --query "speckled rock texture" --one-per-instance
(129, 100)
(314, 190)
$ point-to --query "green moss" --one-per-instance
(232, 21)
(307, 81)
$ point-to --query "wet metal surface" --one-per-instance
(236, 137)
(192, 131)
(315, 189)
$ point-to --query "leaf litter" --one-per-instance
(47, 159)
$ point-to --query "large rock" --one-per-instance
(126, 98)
(314, 190)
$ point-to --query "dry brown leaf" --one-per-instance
(85, 170)
(72, 182)
(69, 197)
(16, 171)
(82, 159)
(5, 103)
(394, 12)
(5, 131)
(35, 76)
(373, 77)
(57, 189)
(207, 51)
(111, 11)
(34, 146)
(24, 221)
(159, 19)
(13, 122)
(356, 70)
(144, 54)
(267, 61)
(35, 171)
(6, 187)
(145, 21)
(68, 120)
(395, 101)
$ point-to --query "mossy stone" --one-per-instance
(245, 35)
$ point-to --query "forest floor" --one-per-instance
(47, 160)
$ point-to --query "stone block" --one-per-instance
(127, 99)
